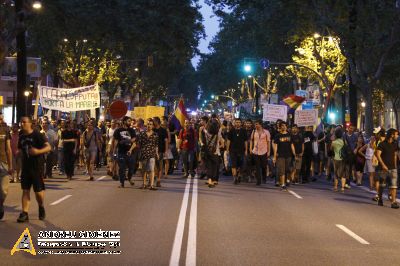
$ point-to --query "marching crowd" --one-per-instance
(204, 148)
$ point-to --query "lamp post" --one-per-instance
(26, 94)
(21, 55)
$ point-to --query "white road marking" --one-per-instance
(295, 194)
(192, 238)
(101, 178)
(176, 248)
(60, 200)
(352, 234)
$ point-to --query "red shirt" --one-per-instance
(188, 138)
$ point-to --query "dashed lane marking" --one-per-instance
(295, 194)
(60, 200)
(101, 178)
(352, 234)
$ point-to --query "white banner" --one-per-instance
(303, 118)
(69, 100)
(273, 112)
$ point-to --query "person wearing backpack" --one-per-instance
(338, 163)
(211, 142)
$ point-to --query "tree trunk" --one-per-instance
(369, 116)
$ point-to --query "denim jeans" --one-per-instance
(125, 161)
(188, 158)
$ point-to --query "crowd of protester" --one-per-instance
(204, 148)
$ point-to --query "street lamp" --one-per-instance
(247, 68)
(37, 5)
(363, 104)
(136, 69)
(20, 12)
(26, 93)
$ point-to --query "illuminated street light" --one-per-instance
(136, 69)
(363, 104)
(65, 40)
(247, 68)
(26, 93)
(84, 40)
(37, 5)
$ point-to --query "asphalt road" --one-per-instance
(186, 223)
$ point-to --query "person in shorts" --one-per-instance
(237, 148)
(283, 154)
(387, 168)
(338, 164)
(297, 150)
(33, 145)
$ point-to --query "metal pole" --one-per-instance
(21, 59)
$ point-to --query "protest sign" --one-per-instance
(69, 100)
(303, 118)
(273, 112)
(146, 112)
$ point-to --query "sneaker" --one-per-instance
(380, 202)
(42, 213)
(23, 217)
(395, 205)
(131, 182)
(153, 188)
(347, 186)
(283, 188)
(376, 198)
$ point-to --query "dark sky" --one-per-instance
(211, 27)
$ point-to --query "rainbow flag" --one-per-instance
(180, 115)
(293, 101)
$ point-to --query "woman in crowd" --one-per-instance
(360, 159)
(90, 143)
(370, 161)
(148, 143)
(69, 139)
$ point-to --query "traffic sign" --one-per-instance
(264, 63)
(118, 109)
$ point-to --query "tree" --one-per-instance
(322, 55)
(369, 31)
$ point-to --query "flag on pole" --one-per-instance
(293, 101)
(179, 116)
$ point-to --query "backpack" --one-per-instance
(346, 154)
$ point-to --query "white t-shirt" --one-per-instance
(110, 135)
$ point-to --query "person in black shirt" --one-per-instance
(32, 145)
(70, 143)
(386, 154)
(298, 151)
(237, 147)
(163, 142)
(309, 138)
(283, 154)
(124, 142)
